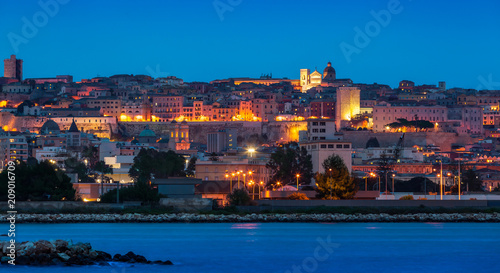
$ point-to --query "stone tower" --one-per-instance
(13, 68)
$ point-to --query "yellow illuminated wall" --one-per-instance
(348, 105)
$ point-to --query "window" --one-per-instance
(346, 146)
(339, 146)
(323, 146)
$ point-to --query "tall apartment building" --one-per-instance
(12, 148)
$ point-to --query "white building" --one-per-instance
(322, 149)
(58, 154)
(121, 165)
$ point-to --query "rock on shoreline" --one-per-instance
(234, 218)
(61, 252)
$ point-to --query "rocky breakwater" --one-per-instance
(66, 253)
(268, 217)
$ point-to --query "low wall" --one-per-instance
(66, 205)
(187, 204)
(307, 204)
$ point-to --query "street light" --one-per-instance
(251, 151)
(298, 175)
(375, 175)
(261, 184)
(253, 189)
(393, 175)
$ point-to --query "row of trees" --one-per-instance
(287, 162)
(290, 160)
(418, 125)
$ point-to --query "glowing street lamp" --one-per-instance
(298, 175)
(253, 189)
(251, 151)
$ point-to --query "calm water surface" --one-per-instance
(283, 247)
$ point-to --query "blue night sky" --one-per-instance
(427, 41)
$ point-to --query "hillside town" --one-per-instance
(227, 130)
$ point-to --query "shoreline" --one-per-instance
(254, 218)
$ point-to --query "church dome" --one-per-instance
(147, 133)
(329, 73)
(50, 127)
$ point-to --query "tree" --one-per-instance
(288, 161)
(38, 182)
(138, 192)
(239, 197)
(191, 168)
(471, 181)
(385, 165)
(159, 164)
(298, 196)
(91, 154)
(416, 184)
(336, 183)
(73, 165)
(101, 169)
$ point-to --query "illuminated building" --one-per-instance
(222, 140)
(329, 74)
(265, 109)
(322, 149)
(457, 119)
(310, 80)
(321, 142)
(167, 108)
(109, 106)
(13, 68)
(121, 165)
(216, 170)
(179, 136)
(320, 129)
(323, 108)
(57, 79)
(348, 105)
(12, 148)
(73, 136)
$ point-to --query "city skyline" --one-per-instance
(225, 40)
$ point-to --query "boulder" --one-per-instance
(63, 256)
(61, 245)
(22, 260)
(124, 258)
(44, 246)
(4, 260)
(103, 256)
(60, 252)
